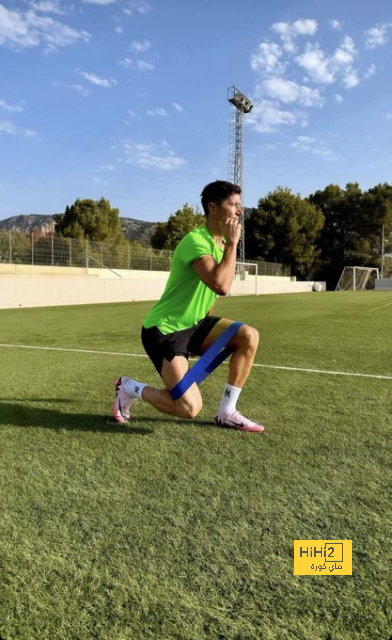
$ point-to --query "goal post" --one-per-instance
(247, 272)
(357, 278)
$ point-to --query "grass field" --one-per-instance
(172, 530)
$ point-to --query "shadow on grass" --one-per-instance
(22, 415)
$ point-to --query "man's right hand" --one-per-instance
(231, 231)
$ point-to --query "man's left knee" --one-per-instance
(249, 337)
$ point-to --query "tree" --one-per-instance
(353, 227)
(376, 215)
(284, 228)
(15, 247)
(90, 220)
(168, 234)
(336, 242)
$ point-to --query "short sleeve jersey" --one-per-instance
(186, 299)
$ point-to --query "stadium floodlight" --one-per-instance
(240, 101)
(242, 106)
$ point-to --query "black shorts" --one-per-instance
(159, 346)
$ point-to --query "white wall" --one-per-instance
(384, 284)
(39, 289)
(44, 291)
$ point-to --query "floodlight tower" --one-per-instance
(242, 105)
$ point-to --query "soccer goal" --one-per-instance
(357, 279)
(245, 281)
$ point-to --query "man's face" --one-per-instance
(229, 208)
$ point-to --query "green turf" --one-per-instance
(167, 529)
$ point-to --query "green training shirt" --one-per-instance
(186, 299)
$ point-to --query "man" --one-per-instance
(181, 324)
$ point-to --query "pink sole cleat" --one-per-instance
(121, 407)
(236, 420)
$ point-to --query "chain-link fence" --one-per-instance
(19, 248)
(272, 268)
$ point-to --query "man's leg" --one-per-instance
(188, 406)
(244, 345)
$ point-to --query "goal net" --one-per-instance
(357, 279)
(245, 280)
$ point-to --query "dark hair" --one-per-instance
(217, 192)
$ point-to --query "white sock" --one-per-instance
(134, 388)
(229, 400)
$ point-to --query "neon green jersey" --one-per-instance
(186, 299)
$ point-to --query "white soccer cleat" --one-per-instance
(236, 420)
(122, 405)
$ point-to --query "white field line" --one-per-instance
(142, 355)
(383, 307)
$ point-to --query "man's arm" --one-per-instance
(219, 276)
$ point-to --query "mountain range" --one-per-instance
(135, 230)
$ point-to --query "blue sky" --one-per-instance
(127, 99)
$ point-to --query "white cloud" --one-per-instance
(74, 87)
(79, 89)
(336, 24)
(351, 79)
(280, 80)
(177, 106)
(126, 62)
(119, 29)
(345, 54)
(304, 27)
(10, 107)
(339, 97)
(377, 36)
(303, 142)
(103, 2)
(140, 65)
(316, 64)
(370, 71)
(314, 146)
(389, 116)
(23, 30)
(269, 147)
(326, 70)
(97, 80)
(267, 116)
(48, 6)
(157, 112)
(137, 6)
(341, 63)
(268, 59)
(140, 47)
(152, 157)
(290, 31)
(144, 66)
(288, 91)
(9, 127)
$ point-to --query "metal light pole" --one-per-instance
(242, 105)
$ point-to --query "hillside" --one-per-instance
(135, 230)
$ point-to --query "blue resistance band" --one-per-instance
(209, 361)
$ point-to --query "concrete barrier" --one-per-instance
(384, 284)
(37, 288)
